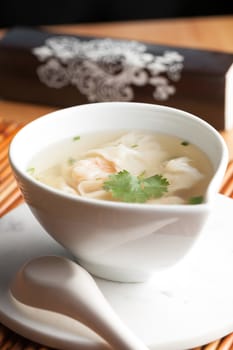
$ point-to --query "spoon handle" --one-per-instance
(94, 311)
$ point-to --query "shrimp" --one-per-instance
(91, 169)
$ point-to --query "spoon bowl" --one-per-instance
(58, 284)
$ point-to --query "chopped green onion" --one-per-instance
(196, 200)
(31, 170)
(71, 161)
(76, 138)
(184, 143)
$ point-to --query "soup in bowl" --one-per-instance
(126, 188)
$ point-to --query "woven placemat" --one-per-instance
(10, 197)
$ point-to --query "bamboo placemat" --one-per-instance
(10, 197)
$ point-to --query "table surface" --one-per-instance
(213, 33)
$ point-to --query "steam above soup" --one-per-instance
(131, 166)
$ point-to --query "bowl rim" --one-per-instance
(116, 204)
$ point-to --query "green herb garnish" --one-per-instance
(76, 138)
(71, 161)
(135, 189)
(184, 143)
(134, 145)
(31, 170)
(196, 200)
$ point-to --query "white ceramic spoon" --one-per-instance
(59, 284)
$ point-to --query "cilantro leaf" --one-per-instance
(135, 189)
(155, 186)
(125, 187)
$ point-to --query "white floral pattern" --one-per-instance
(107, 69)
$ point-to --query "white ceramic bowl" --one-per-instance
(117, 241)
